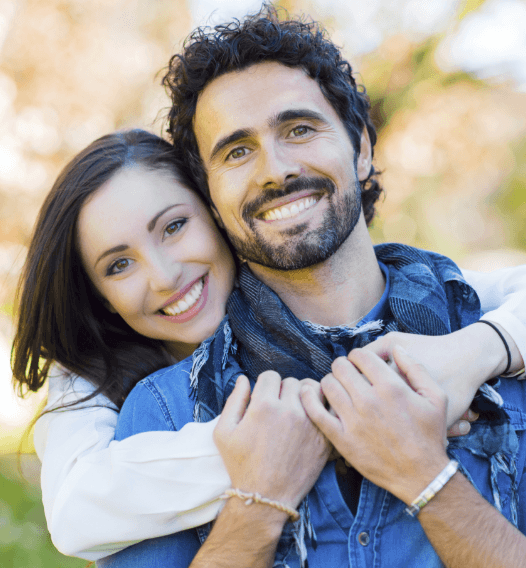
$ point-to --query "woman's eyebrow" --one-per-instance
(151, 224)
(118, 248)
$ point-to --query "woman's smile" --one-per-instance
(183, 310)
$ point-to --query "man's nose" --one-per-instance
(275, 166)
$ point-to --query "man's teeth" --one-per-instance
(289, 210)
(187, 302)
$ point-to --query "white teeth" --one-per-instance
(286, 211)
(185, 303)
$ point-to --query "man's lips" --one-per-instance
(291, 208)
(288, 200)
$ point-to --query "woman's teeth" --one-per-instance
(187, 302)
(289, 210)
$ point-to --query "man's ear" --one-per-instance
(217, 218)
(365, 159)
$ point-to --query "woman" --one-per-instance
(126, 274)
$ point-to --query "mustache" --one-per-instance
(296, 185)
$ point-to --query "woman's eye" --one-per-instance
(118, 266)
(299, 131)
(174, 226)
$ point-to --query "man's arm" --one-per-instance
(464, 529)
(269, 447)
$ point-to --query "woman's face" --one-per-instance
(153, 251)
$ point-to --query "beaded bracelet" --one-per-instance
(432, 489)
(256, 498)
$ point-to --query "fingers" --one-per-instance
(417, 376)
(268, 386)
(318, 414)
(459, 428)
(462, 426)
(316, 386)
(235, 405)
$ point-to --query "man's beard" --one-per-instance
(310, 247)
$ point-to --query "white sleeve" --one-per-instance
(502, 294)
(101, 496)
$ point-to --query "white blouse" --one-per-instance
(101, 495)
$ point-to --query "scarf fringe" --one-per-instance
(369, 327)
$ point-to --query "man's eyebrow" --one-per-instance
(230, 139)
(294, 114)
(150, 227)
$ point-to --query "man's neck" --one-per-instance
(339, 291)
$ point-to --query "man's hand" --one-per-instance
(391, 431)
(456, 362)
(270, 446)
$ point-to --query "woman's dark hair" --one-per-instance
(61, 317)
(209, 53)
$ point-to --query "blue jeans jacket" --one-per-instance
(381, 534)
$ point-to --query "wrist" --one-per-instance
(258, 518)
(409, 488)
(511, 359)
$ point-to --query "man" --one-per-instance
(272, 123)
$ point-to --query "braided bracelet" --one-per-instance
(432, 489)
(256, 498)
(508, 352)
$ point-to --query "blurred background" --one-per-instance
(447, 81)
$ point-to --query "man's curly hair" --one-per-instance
(209, 53)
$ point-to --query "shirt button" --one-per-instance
(363, 538)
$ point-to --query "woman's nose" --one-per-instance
(165, 276)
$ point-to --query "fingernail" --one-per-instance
(472, 415)
(464, 427)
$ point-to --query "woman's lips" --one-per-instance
(193, 310)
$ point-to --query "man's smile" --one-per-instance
(290, 209)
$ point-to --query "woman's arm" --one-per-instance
(88, 478)
(502, 295)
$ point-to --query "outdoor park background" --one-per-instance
(447, 82)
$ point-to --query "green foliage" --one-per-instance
(24, 542)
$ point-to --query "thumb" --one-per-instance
(235, 405)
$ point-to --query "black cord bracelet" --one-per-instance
(503, 341)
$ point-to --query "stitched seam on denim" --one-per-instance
(161, 402)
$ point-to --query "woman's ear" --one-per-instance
(365, 159)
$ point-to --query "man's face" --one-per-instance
(280, 165)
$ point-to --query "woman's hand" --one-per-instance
(454, 361)
(391, 431)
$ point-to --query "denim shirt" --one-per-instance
(492, 456)
(381, 534)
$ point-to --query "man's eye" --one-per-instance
(238, 153)
(118, 266)
(299, 131)
(174, 226)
